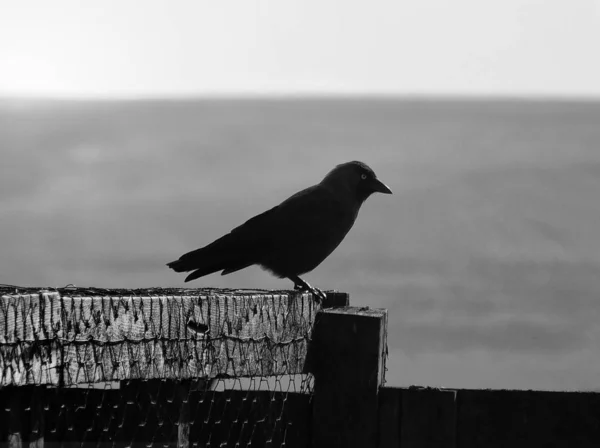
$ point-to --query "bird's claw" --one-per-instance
(319, 294)
(316, 292)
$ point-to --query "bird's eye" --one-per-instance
(363, 176)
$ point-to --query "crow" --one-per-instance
(294, 237)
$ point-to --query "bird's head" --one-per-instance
(357, 179)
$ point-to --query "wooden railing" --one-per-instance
(87, 357)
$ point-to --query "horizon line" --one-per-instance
(317, 95)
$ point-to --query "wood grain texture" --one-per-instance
(29, 348)
(66, 340)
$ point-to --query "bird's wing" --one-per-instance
(313, 209)
(306, 215)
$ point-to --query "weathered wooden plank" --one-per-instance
(149, 337)
(117, 338)
(29, 325)
(29, 363)
(501, 418)
(67, 340)
(27, 317)
(390, 411)
(428, 418)
(349, 346)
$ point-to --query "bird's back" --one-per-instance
(289, 239)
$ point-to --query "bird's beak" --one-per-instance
(380, 187)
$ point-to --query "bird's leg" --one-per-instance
(301, 285)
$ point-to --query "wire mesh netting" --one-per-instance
(155, 367)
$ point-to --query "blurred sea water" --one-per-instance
(487, 256)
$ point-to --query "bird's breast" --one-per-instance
(306, 242)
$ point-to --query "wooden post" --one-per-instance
(334, 299)
(348, 360)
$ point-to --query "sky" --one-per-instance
(133, 48)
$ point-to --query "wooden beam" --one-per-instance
(348, 352)
(520, 418)
(28, 349)
(49, 338)
(390, 412)
(428, 418)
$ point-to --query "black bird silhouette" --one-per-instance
(294, 237)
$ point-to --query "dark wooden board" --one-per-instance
(428, 418)
(510, 418)
(390, 413)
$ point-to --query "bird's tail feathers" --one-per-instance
(178, 265)
(212, 258)
(235, 267)
(214, 267)
(200, 273)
